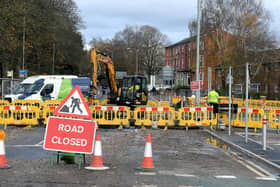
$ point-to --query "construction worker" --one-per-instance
(134, 88)
(213, 98)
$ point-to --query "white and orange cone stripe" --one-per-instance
(3, 160)
(97, 160)
(148, 155)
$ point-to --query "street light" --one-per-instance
(136, 58)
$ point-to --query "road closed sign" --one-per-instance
(70, 135)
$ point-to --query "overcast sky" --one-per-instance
(103, 18)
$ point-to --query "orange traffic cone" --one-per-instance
(97, 161)
(147, 164)
(3, 161)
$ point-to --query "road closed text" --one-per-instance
(69, 134)
(69, 141)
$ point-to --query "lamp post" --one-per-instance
(136, 58)
(197, 53)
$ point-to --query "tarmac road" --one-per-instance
(181, 159)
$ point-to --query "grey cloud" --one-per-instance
(105, 18)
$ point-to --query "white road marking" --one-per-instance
(166, 172)
(188, 186)
(246, 165)
(184, 175)
(253, 164)
(225, 177)
(145, 173)
(144, 185)
(25, 145)
(258, 142)
(40, 143)
(267, 178)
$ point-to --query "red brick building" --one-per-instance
(182, 57)
(178, 57)
(265, 78)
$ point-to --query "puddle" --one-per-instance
(217, 143)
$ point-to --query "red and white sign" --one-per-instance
(74, 105)
(70, 135)
(195, 85)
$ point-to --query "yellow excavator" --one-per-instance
(133, 89)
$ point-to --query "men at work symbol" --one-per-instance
(75, 103)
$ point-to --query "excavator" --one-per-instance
(133, 90)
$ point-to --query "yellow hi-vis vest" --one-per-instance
(213, 97)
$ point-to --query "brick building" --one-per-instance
(178, 57)
(182, 57)
(265, 74)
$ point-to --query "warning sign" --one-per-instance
(74, 105)
(70, 135)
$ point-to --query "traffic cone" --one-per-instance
(3, 161)
(147, 164)
(97, 161)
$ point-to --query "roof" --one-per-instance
(186, 40)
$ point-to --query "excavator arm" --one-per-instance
(110, 70)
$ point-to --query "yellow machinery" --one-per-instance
(133, 90)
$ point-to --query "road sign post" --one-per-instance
(70, 135)
(195, 85)
(264, 132)
(23, 73)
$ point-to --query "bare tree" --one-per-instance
(235, 28)
(152, 56)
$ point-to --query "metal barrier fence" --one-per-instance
(196, 116)
(35, 103)
(152, 103)
(4, 102)
(7, 85)
(176, 99)
(161, 116)
(111, 115)
(19, 115)
(29, 112)
(274, 118)
(255, 117)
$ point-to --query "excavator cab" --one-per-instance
(133, 91)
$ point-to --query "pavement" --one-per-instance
(270, 156)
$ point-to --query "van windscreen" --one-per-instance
(35, 87)
(21, 88)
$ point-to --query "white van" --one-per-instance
(48, 87)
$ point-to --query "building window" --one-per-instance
(201, 45)
(237, 89)
(266, 68)
(219, 73)
(201, 60)
(201, 76)
(255, 87)
(276, 88)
